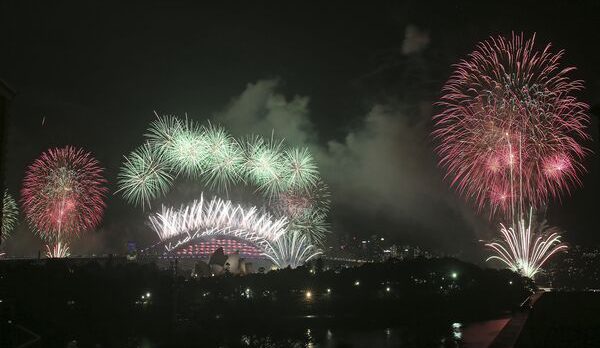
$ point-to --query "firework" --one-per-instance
(292, 249)
(511, 126)
(163, 131)
(63, 193)
(10, 213)
(306, 210)
(188, 151)
(287, 177)
(144, 175)
(182, 142)
(526, 248)
(266, 166)
(295, 203)
(216, 217)
(301, 169)
(58, 250)
(312, 223)
(224, 158)
(211, 154)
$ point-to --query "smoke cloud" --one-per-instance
(384, 170)
(259, 109)
(415, 40)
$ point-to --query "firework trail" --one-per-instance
(292, 249)
(526, 248)
(63, 193)
(511, 126)
(10, 214)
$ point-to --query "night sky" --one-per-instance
(355, 84)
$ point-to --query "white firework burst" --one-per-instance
(292, 249)
(526, 247)
(58, 250)
(216, 217)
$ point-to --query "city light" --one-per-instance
(356, 283)
(454, 275)
(388, 289)
(308, 295)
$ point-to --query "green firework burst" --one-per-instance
(301, 169)
(162, 131)
(187, 151)
(265, 166)
(144, 175)
(183, 143)
(312, 223)
(320, 196)
(10, 214)
(224, 158)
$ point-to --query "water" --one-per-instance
(330, 338)
(354, 335)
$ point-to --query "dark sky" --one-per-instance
(355, 83)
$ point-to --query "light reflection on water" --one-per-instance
(420, 336)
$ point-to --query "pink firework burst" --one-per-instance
(511, 126)
(293, 204)
(63, 193)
